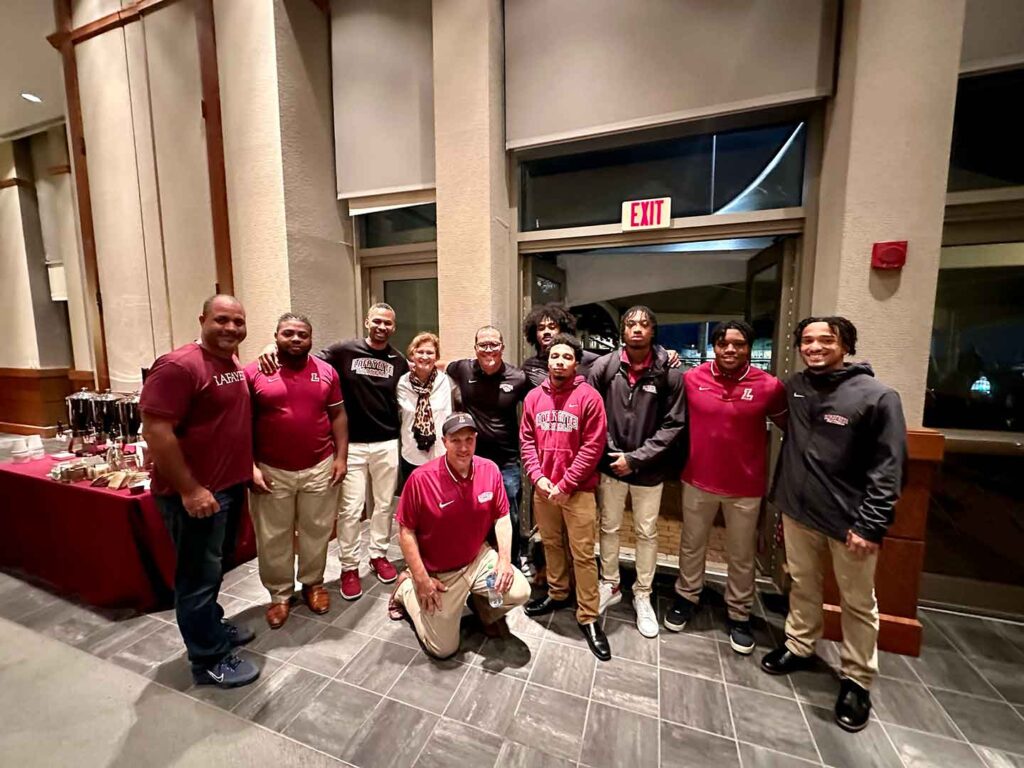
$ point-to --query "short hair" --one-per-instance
(569, 341)
(639, 309)
(476, 336)
(840, 326)
(381, 305)
(297, 318)
(208, 304)
(563, 317)
(421, 337)
(745, 329)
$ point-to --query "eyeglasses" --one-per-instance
(489, 346)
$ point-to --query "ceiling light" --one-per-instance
(31, 97)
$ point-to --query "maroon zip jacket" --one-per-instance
(562, 435)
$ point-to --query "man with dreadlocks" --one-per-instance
(837, 483)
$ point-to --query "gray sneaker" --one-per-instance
(230, 672)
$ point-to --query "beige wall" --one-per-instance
(16, 316)
(884, 178)
(993, 35)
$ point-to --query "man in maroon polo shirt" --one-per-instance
(301, 446)
(728, 403)
(197, 423)
(448, 507)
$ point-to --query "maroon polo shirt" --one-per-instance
(451, 515)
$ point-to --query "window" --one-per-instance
(399, 226)
(987, 130)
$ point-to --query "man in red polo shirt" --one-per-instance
(301, 447)
(728, 402)
(448, 507)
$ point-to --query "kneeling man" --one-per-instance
(448, 507)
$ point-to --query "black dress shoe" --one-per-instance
(546, 604)
(597, 640)
(853, 706)
(782, 661)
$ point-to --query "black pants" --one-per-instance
(201, 545)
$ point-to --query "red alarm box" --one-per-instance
(892, 255)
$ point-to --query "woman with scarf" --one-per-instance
(426, 397)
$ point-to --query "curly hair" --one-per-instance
(840, 326)
(553, 311)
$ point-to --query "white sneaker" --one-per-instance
(646, 618)
(609, 595)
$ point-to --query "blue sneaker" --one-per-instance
(237, 635)
(229, 672)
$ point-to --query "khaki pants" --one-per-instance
(741, 513)
(856, 579)
(302, 502)
(575, 518)
(439, 631)
(611, 499)
(379, 463)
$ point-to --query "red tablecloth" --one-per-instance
(106, 548)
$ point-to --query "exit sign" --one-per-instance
(647, 214)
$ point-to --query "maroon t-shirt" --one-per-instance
(451, 515)
(208, 399)
(290, 408)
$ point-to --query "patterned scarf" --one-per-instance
(423, 421)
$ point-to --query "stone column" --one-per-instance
(886, 158)
(476, 261)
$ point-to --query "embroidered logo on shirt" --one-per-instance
(231, 377)
(835, 418)
(484, 497)
(371, 366)
(314, 376)
(797, 394)
(650, 388)
(444, 504)
(748, 394)
(557, 421)
(505, 387)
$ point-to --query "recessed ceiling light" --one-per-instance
(31, 97)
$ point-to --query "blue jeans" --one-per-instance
(200, 544)
(512, 479)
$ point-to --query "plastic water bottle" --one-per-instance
(494, 597)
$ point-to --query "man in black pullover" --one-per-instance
(837, 484)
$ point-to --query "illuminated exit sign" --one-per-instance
(647, 214)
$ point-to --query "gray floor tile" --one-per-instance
(331, 719)
(921, 750)
(283, 643)
(994, 758)
(514, 755)
(627, 643)
(933, 636)
(759, 757)
(146, 655)
(65, 622)
(696, 702)
(746, 671)
(19, 603)
(377, 666)
(330, 651)
(565, 668)
(393, 736)
(428, 684)
(628, 685)
(399, 633)
(1005, 677)
(818, 686)
(895, 665)
(708, 621)
(486, 701)
(108, 640)
(550, 721)
(512, 655)
(989, 723)
(521, 625)
(909, 705)
(248, 587)
(949, 669)
(771, 722)
(454, 745)
(868, 749)
(684, 747)
(977, 637)
(229, 698)
(366, 615)
(563, 628)
(617, 738)
(275, 700)
(690, 654)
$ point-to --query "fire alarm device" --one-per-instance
(891, 255)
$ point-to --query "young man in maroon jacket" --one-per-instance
(562, 438)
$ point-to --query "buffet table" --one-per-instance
(105, 548)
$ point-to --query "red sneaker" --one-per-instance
(385, 571)
(351, 588)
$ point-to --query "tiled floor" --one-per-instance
(356, 686)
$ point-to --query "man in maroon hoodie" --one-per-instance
(562, 438)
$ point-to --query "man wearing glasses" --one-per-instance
(491, 391)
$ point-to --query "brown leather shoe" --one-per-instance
(317, 598)
(277, 614)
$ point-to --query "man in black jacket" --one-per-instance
(540, 327)
(646, 407)
(837, 484)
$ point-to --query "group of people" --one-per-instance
(307, 433)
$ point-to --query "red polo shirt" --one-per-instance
(636, 371)
(291, 426)
(451, 515)
(726, 417)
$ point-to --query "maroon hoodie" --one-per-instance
(562, 435)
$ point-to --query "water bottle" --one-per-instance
(494, 597)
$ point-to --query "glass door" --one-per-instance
(412, 291)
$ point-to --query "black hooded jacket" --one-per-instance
(843, 458)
